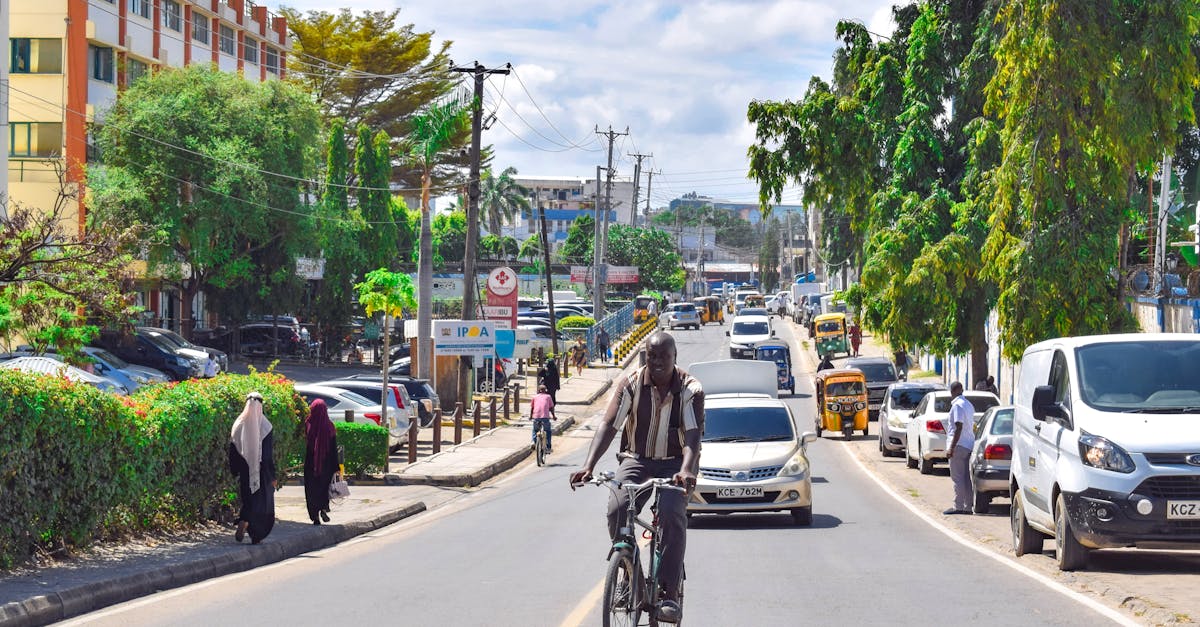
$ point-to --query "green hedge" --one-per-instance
(575, 322)
(77, 464)
(365, 447)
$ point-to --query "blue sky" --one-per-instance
(678, 74)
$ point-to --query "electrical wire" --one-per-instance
(590, 136)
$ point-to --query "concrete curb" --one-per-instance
(64, 604)
(472, 479)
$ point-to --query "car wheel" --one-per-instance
(1070, 554)
(1026, 539)
(924, 465)
(983, 503)
(802, 516)
(910, 462)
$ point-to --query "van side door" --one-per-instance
(1046, 441)
(1035, 371)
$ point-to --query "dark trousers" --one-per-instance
(672, 515)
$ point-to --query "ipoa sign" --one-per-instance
(464, 337)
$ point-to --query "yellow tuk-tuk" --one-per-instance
(841, 395)
(710, 309)
(755, 300)
(830, 334)
(641, 307)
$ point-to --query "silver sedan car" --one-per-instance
(895, 409)
(991, 459)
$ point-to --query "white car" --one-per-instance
(926, 438)
(746, 332)
(50, 366)
(779, 304)
(899, 402)
(338, 400)
(681, 315)
(754, 458)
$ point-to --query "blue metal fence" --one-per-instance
(617, 323)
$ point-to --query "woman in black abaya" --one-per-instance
(320, 460)
(252, 461)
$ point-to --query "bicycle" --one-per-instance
(628, 590)
(539, 447)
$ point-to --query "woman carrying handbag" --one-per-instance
(320, 461)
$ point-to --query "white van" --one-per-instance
(1106, 445)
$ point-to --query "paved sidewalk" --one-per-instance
(115, 573)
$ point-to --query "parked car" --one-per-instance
(681, 315)
(49, 366)
(754, 457)
(399, 414)
(1110, 422)
(745, 332)
(899, 401)
(148, 350)
(542, 335)
(926, 439)
(880, 373)
(338, 400)
(402, 366)
(991, 459)
(424, 397)
(220, 358)
(108, 365)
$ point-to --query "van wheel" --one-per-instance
(1071, 555)
(1026, 539)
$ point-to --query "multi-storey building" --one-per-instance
(563, 199)
(70, 58)
(748, 211)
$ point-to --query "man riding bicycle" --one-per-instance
(659, 411)
(541, 410)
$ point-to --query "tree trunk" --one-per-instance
(979, 344)
(425, 284)
(187, 293)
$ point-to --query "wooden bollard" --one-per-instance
(458, 418)
(437, 430)
(507, 398)
(349, 417)
(517, 399)
(492, 413)
(476, 417)
(414, 426)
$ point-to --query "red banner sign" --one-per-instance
(502, 297)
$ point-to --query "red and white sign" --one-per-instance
(622, 274)
(502, 297)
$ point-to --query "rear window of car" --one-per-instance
(980, 403)
(688, 307)
(747, 424)
(909, 398)
(1002, 423)
(877, 372)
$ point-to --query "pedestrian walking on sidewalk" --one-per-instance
(602, 344)
(252, 461)
(855, 337)
(548, 377)
(320, 460)
(579, 356)
(962, 440)
(541, 410)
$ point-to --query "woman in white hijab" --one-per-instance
(252, 461)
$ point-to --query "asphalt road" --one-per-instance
(525, 550)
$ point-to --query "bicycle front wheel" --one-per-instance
(621, 608)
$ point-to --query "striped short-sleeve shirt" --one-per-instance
(648, 420)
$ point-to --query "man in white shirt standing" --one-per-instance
(962, 440)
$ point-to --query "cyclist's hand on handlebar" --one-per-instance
(580, 477)
(684, 479)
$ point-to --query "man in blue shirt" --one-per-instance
(962, 440)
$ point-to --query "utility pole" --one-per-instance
(791, 257)
(4, 128)
(602, 269)
(549, 282)
(597, 254)
(649, 180)
(637, 183)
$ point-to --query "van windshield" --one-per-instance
(750, 328)
(1148, 376)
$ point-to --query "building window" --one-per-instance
(36, 56)
(251, 53)
(199, 27)
(272, 60)
(100, 63)
(228, 41)
(172, 15)
(35, 139)
(140, 7)
(134, 70)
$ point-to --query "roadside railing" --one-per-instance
(617, 323)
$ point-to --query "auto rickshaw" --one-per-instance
(755, 300)
(830, 334)
(841, 395)
(641, 307)
(779, 353)
(710, 309)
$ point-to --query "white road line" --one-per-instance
(1098, 607)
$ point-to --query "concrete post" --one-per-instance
(476, 417)
(413, 428)
(437, 430)
(492, 413)
(517, 399)
(507, 398)
(458, 420)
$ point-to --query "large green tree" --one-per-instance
(581, 236)
(213, 163)
(652, 251)
(387, 222)
(339, 228)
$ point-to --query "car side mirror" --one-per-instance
(1044, 407)
(808, 437)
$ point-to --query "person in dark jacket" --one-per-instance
(548, 376)
(320, 460)
(252, 461)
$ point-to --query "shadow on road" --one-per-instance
(773, 520)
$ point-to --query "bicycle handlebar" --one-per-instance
(609, 477)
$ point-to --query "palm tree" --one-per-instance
(501, 197)
(433, 131)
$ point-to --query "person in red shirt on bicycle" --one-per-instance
(541, 409)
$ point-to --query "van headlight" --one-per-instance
(797, 466)
(1099, 452)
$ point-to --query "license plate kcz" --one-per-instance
(1183, 510)
(740, 492)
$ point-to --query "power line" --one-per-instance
(577, 144)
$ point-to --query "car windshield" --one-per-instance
(1148, 376)
(109, 358)
(750, 328)
(747, 424)
(1002, 423)
(981, 403)
(844, 388)
(877, 372)
(171, 338)
(908, 398)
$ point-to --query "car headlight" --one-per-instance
(833, 407)
(183, 362)
(797, 466)
(1099, 452)
(895, 421)
(139, 378)
(859, 406)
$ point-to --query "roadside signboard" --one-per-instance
(523, 347)
(502, 297)
(615, 274)
(506, 341)
(464, 337)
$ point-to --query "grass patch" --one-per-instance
(913, 492)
